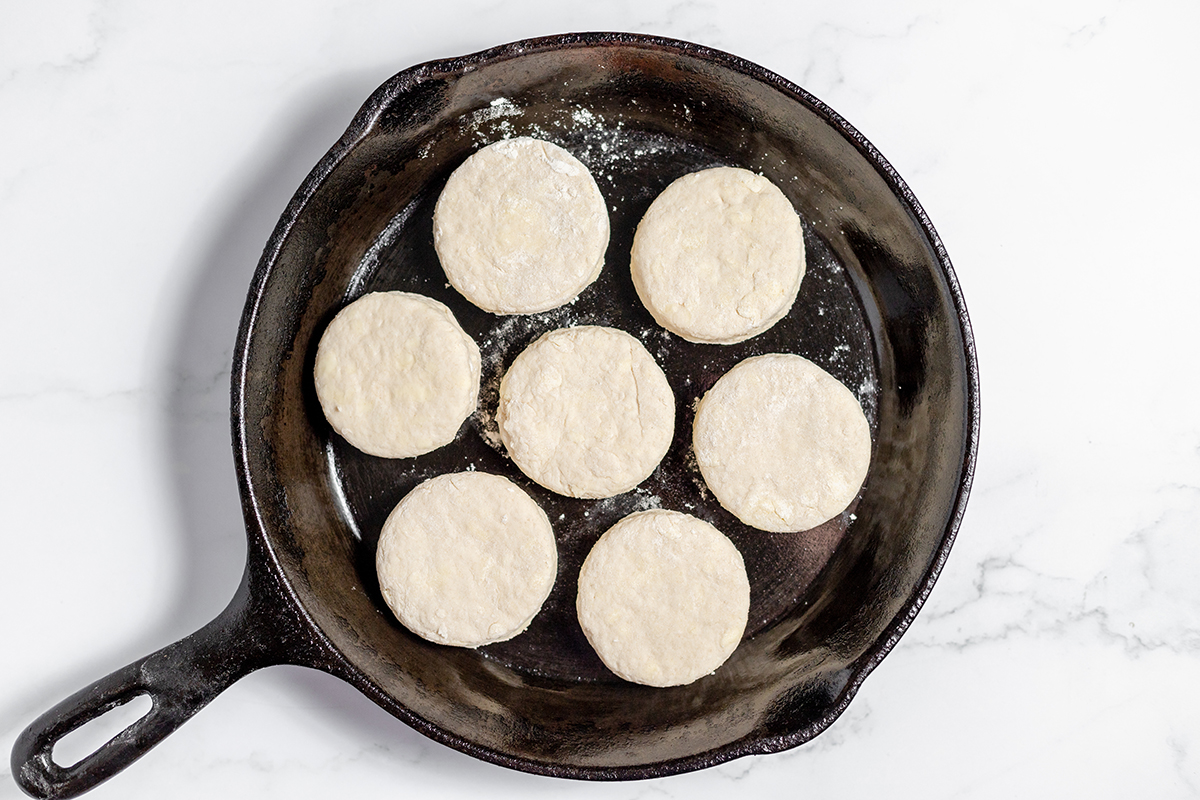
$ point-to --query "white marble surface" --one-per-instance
(148, 149)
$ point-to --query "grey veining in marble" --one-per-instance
(149, 149)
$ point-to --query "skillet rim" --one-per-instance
(261, 554)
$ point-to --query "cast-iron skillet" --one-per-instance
(879, 308)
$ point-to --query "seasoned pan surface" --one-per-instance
(879, 308)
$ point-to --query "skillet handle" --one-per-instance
(180, 679)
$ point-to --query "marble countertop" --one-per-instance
(150, 147)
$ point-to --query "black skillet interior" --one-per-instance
(878, 308)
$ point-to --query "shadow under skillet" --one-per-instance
(826, 324)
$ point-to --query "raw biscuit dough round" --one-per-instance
(782, 444)
(719, 256)
(396, 375)
(466, 559)
(521, 227)
(663, 598)
(586, 412)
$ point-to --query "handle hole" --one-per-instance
(94, 734)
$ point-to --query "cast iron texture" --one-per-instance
(879, 308)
